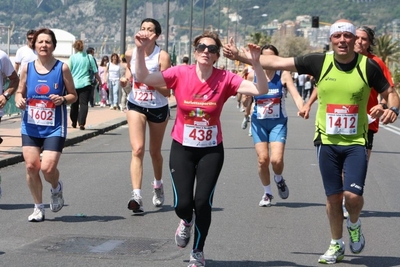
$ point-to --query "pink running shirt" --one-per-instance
(199, 104)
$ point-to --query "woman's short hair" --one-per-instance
(208, 34)
(371, 37)
(44, 31)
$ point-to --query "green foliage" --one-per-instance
(387, 49)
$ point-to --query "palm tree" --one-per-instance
(387, 49)
(259, 38)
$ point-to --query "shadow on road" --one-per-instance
(80, 218)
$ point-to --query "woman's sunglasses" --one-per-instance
(212, 49)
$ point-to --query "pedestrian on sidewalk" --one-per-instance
(197, 151)
(146, 106)
(344, 80)
(112, 75)
(103, 88)
(81, 65)
(6, 72)
(45, 90)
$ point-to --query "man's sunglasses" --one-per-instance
(212, 49)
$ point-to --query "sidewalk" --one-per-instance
(99, 121)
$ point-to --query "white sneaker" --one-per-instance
(37, 215)
(197, 259)
(135, 204)
(183, 232)
(57, 200)
(158, 197)
(266, 200)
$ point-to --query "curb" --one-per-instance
(72, 139)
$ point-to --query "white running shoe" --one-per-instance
(158, 197)
(57, 200)
(334, 254)
(197, 259)
(135, 204)
(37, 215)
(266, 200)
(183, 232)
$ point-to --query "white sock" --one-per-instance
(157, 183)
(277, 178)
(57, 189)
(353, 225)
(339, 241)
(39, 206)
(137, 192)
(267, 190)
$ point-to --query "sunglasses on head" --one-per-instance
(213, 49)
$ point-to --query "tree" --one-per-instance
(387, 49)
(259, 38)
(291, 46)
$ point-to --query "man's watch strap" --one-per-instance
(395, 110)
(384, 106)
(7, 95)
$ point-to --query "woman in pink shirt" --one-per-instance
(197, 152)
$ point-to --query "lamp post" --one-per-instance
(245, 25)
(123, 27)
(167, 31)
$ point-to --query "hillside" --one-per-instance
(100, 20)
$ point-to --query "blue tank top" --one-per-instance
(42, 118)
(271, 105)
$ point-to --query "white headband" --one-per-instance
(342, 27)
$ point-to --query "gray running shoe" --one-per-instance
(158, 197)
(244, 123)
(57, 200)
(135, 204)
(183, 232)
(283, 190)
(37, 215)
(266, 200)
(334, 254)
(357, 240)
(197, 259)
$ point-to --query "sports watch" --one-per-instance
(395, 110)
(6, 95)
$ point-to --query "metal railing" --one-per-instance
(10, 108)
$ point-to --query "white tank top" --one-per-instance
(141, 94)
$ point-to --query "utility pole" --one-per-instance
(167, 31)
(123, 27)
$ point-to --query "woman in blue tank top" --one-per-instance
(269, 128)
(45, 88)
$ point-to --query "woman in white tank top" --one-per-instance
(146, 106)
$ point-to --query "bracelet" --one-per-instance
(64, 100)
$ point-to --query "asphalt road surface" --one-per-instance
(95, 228)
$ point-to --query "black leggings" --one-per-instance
(187, 166)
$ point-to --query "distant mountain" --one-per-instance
(99, 21)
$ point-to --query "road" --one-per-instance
(96, 229)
